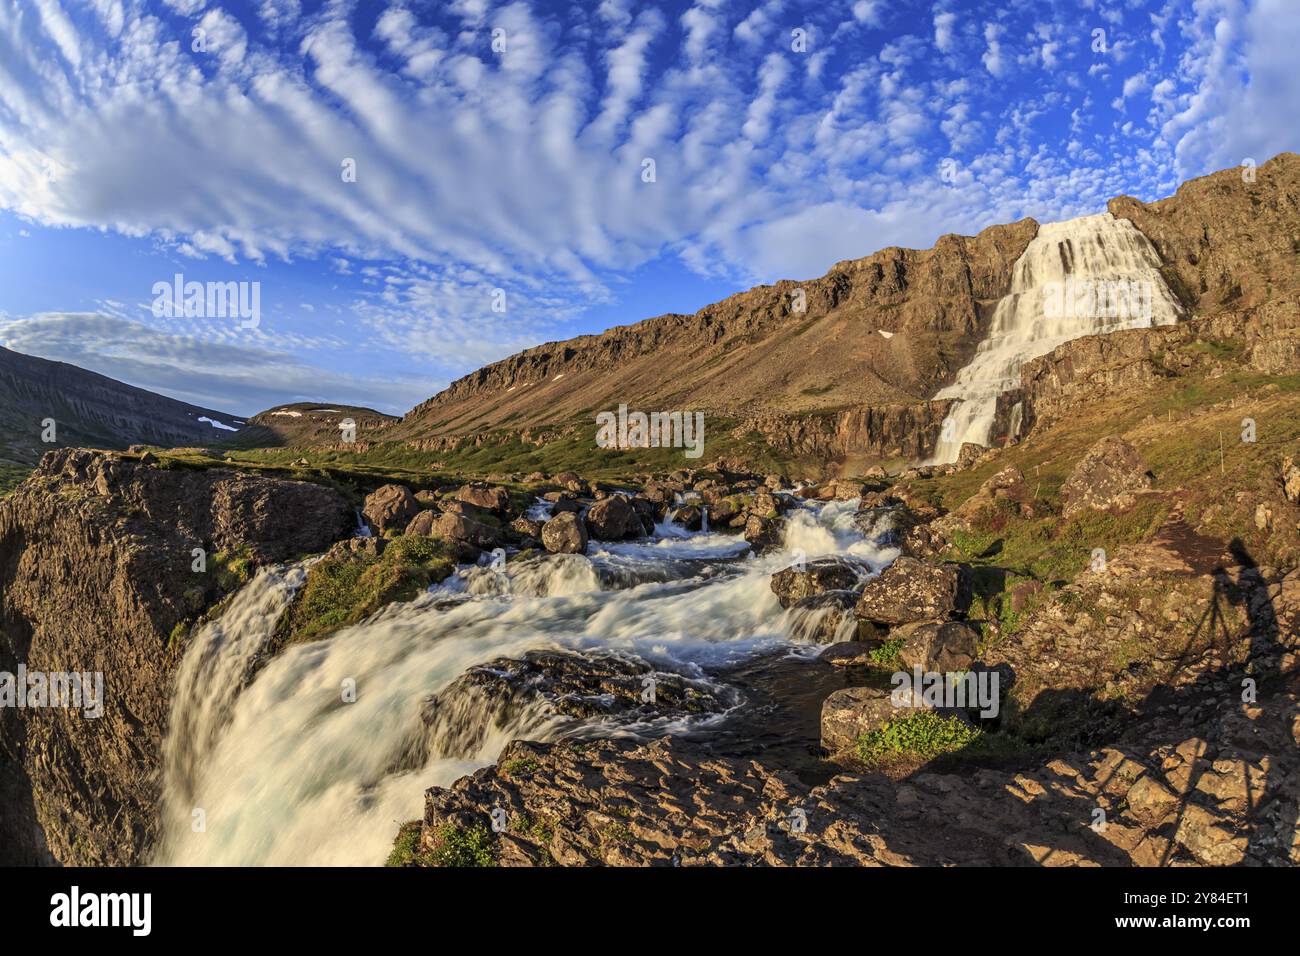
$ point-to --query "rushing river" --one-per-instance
(282, 770)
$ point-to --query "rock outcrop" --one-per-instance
(97, 557)
(1108, 476)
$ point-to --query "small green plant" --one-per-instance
(520, 767)
(463, 847)
(406, 848)
(886, 655)
(923, 734)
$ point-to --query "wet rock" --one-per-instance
(848, 654)
(565, 534)
(390, 506)
(613, 519)
(816, 577)
(1108, 476)
(764, 534)
(932, 646)
(689, 517)
(541, 687)
(910, 590)
(562, 502)
(820, 618)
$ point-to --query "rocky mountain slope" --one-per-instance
(828, 381)
(885, 328)
(92, 410)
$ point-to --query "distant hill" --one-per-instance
(307, 423)
(92, 410)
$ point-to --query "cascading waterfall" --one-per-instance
(1084, 276)
(287, 771)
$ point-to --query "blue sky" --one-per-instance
(500, 152)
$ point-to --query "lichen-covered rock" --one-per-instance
(548, 688)
(764, 534)
(944, 647)
(1108, 476)
(910, 590)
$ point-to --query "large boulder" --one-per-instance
(910, 590)
(816, 577)
(486, 497)
(937, 646)
(565, 534)
(390, 506)
(1108, 476)
(469, 536)
(543, 687)
(613, 519)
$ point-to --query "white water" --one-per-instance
(1084, 276)
(287, 773)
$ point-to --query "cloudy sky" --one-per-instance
(530, 170)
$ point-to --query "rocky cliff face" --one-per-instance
(1231, 249)
(793, 346)
(91, 409)
(898, 430)
(96, 576)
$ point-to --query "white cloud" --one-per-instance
(994, 61)
(943, 31)
(237, 377)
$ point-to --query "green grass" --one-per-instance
(341, 592)
(924, 734)
(11, 476)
